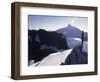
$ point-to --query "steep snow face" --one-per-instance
(53, 59)
(73, 42)
(70, 32)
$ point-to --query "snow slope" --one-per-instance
(53, 59)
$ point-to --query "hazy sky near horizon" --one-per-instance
(52, 23)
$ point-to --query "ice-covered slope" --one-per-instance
(54, 59)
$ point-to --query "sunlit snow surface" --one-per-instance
(53, 59)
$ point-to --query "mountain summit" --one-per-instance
(70, 31)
